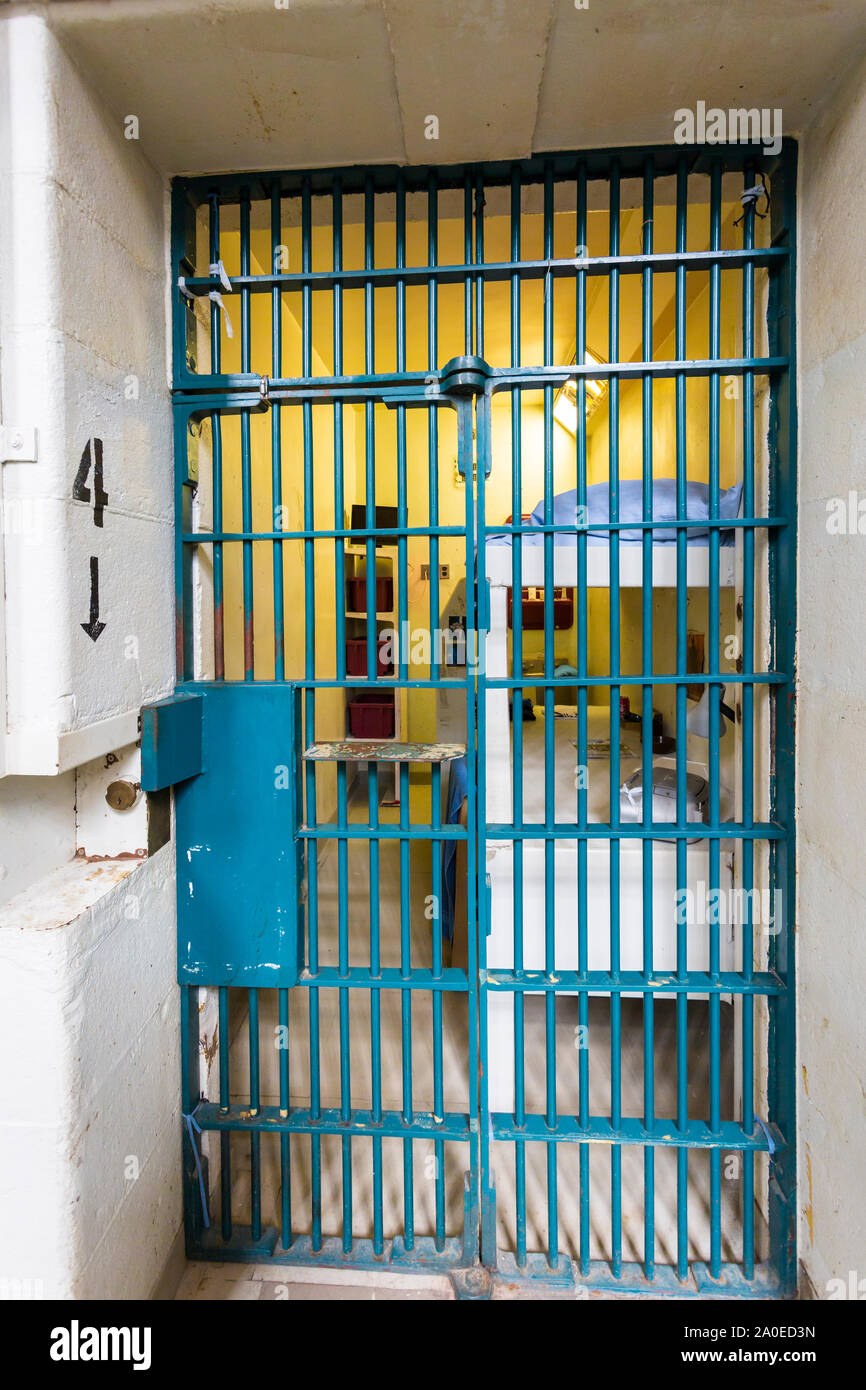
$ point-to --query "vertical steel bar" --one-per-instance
(246, 456)
(216, 452)
(339, 482)
(255, 1100)
(582, 250)
(403, 624)
(467, 260)
(406, 1011)
(276, 439)
(342, 797)
(615, 847)
(285, 1147)
(479, 260)
(372, 768)
(435, 674)
(433, 415)
(310, 713)
(714, 729)
(375, 1006)
(195, 1189)
(225, 1103)
(517, 727)
(748, 730)
(647, 847)
(479, 965)
(549, 748)
(681, 746)
(438, 1084)
(475, 813)
(370, 428)
(343, 1001)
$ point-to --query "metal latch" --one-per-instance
(17, 444)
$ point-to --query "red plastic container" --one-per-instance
(356, 595)
(371, 715)
(356, 657)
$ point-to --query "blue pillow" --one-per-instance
(664, 507)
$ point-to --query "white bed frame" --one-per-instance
(500, 854)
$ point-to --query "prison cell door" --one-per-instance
(309, 893)
(342, 1087)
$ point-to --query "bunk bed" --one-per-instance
(499, 868)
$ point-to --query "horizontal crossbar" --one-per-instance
(358, 977)
(391, 1124)
(656, 830)
(632, 982)
(382, 832)
(661, 1133)
(389, 277)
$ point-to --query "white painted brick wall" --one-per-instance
(89, 1012)
(831, 709)
(82, 312)
(88, 1001)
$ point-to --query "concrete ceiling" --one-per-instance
(255, 84)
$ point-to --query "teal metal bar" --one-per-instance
(665, 1133)
(375, 1003)
(255, 1099)
(371, 627)
(246, 456)
(681, 643)
(285, 1146)
(468, 324)
(276, 442)
(225, 1103)
(310, 720)
(216, 457)
(433, 421)
(614, 659)
(339, 479)
(403, 622)
(549, 751)
(647, 663)
(406, 1009)
(479, 260)
(635, 982)
(236, 392)
(345, 1030)
(497, 271)
(748, 731)
(581, 235)
(437, 972)
(479, 1231)
(715, 693)
(454, 1127)
(517, 726)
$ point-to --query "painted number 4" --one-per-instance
(92, 454)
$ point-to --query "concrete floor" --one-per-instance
(265, 1283)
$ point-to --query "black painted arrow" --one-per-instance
(94, 628)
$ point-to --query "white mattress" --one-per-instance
(564, 768)
(498, 565)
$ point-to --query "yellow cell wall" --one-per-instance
(496, 347)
